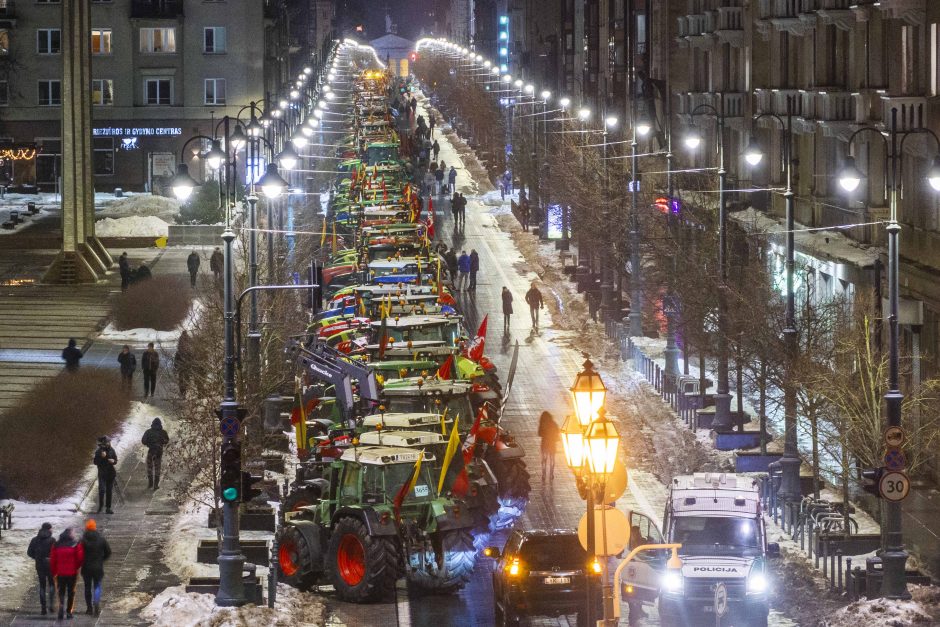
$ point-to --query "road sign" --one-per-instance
(721, 600)
(228, 427)
(895, 459)
(616, 483)
(610, 538)
(894, 436)
(894, 486)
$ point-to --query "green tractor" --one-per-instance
(352, 539)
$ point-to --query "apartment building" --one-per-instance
(162, 71)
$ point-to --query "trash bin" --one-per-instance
(118, 192)
(873, 577)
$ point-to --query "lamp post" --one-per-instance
(693, 141)
(893, 555)
(607, 288)
(789, 489)
(231, 561)
(591, 445)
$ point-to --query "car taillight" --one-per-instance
(514, 569)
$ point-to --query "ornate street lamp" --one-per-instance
(183, 184)
(271, 183)
(588, 394)
(601, 444)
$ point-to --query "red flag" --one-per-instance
(407, 487)
(470, 442)
(444, 372)
(461, 483)
(429, 223)
(475, 350)
(383, 335)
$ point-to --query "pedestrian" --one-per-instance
(65, 561)
(534, 298)
(39, 549)
(524, 210)
(436, 149)
(125, 267)
(442, 166)
(452, 179)
(439, 178)
(128, 365)
(106, 461)
(474, 268)
(462, 210)
(455, 207)
(463, 266)
(192, 264)
(594, 303)
(432, 122)
(550, 434)
(216, 261)
(97, 551)
(507, 308)
(149, 364)
(155, 439)
(505, 187)
(414, 106)
(451, 258)
(72, 354)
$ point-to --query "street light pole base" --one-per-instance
(722, 411)
(231, 585)
(894, 580)
(636, 324)
(789, 490)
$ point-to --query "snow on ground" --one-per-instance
(28, 219)
(132, 226)
(174, 607)
(138, 205)
(141, 336)
(922, 609)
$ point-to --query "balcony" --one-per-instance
(911, 110)
(730, 26)
(786, 15)
(733, 103)
(913, 12)
(156, 9)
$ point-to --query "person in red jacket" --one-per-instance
(65, 561)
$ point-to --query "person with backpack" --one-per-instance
(39, 550)
(96, 550)
(149, 364)
(128, 365)
(155, 439)
(65, 562)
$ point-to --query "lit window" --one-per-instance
(158, 40)
(101, 41)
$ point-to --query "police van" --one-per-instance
(717, 519)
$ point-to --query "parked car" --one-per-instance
(543, 573)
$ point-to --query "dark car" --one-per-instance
(543, 573)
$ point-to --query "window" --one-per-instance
(215, 91)
(103, 155)
(4, 93)
(101, 41)
(50, 93)
(158, 91)
(48, 160)
(4, 41)
(102, 91)
(158, 40)
(935, 59)
(213, 39)
(48, 41)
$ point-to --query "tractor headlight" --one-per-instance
(757, 583)
(672, 582)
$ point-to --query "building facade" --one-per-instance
(162, 72)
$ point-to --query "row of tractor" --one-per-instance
(404, 469)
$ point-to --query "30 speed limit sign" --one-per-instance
(894, 486)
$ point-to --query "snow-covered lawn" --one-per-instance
(922, 609)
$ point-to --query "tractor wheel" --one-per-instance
(295, 559)
(299, 498)
(361, 567)
(514, 491)
(449, 567)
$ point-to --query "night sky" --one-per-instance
(410, 15)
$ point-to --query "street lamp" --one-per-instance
(288, 157)
(789, 489)
(183, 184)
(271, 183)
(722, 418)
(893, 555)
(584, 114)
(588, 394)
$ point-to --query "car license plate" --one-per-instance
(557, 580)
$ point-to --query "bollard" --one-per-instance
(810, 544)
(848, 578)
(832, 571)
(839, 556)
(825, 556)
(802, 529)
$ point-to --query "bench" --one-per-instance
(6, 516)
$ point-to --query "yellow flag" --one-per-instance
(323, 233)
(417, 473)
(452, 445)
(444, 421)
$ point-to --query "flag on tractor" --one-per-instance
(445, 371)
(383, 332)
(475, 350)
(407, 487)
(299, 413)
(333, 242)
(323, 234)
(462, 482)
(444, 421)
(452, 445)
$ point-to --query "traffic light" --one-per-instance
(230, 479)
(871, 477)
(249, 492)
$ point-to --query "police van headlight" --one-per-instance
(672, 582)
(757, 583)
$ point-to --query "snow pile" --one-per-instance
(920, 610)
(140, 337)
(132, 226)
(174, 606)
(140, 205)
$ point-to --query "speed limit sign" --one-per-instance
(894, 486)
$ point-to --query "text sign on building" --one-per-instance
(134, 131)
